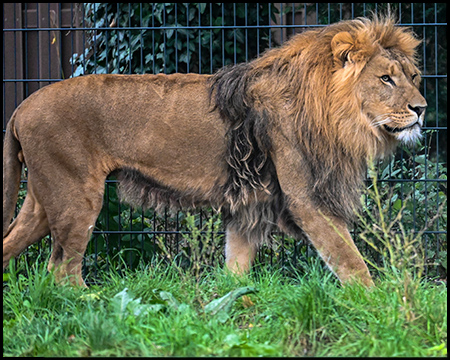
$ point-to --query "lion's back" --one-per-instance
(119, 106)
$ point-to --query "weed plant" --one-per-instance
(161, 311)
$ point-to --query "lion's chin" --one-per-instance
(410, 135)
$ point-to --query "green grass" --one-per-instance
(163, 311)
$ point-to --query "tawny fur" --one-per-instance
(282, 140)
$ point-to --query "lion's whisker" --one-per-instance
(384, 119)
(382, 122)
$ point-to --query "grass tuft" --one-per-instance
(158, 311)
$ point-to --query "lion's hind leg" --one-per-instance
(71, 228)
(239, 251)
(28, 227)
(247, 229)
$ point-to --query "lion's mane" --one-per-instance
(297, 86)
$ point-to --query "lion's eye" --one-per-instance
(387, 79)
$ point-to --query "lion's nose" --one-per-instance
(417, 109)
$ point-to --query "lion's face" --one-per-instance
(390, 96)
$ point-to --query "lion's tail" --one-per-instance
(12, 168)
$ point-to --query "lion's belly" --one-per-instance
(191, 168)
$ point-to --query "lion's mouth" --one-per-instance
(398, 130)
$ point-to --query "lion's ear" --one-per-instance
(346, 49)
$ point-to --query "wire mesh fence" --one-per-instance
(47, 42)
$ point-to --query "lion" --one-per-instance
(283, 140)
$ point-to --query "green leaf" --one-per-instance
(124, 305)
(222, 307)
(185, 57)
(397, 205)
(170, 32)
(420, 159)
(120, 301)
(170, 299)
(202, 7)
(443, 259)
(240, 346)
(439, 350)
(232, 340)
(27, 304)
(192, 13)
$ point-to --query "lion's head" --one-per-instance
(376, 61)
(342, 94)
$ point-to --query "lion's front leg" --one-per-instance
(328, 234)
(331, 238)
(239, 251)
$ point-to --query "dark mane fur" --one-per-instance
(248, 153)
(251, 169)
(249, 145)
(248, 142)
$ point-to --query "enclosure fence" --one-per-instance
(47, 42)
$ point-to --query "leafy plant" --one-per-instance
(171, 37)
(397, 216)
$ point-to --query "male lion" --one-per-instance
(283, 139)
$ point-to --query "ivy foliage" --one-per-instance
(171, 37)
